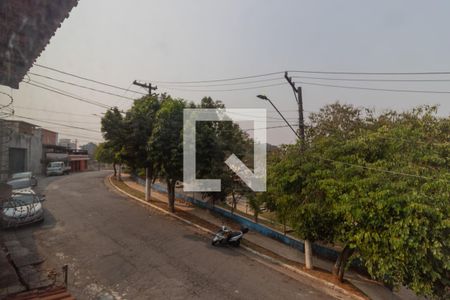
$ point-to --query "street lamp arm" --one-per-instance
(264, 97)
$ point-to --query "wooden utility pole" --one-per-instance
(299, 99)
(146, 86)
(148, 179)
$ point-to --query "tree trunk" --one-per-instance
(171, 194)
(115, 170)
(120, 172)
(308, 255)
(148, 184)
(255, 215)
(233, 204)
(341, 263)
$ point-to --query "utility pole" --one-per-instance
(301, 127)
(148, 179)
(146, 86)
(299, 99)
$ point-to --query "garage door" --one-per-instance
(17, 158)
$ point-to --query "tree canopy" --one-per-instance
(377, 185)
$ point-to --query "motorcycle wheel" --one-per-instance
(214, 243)
(237, 243)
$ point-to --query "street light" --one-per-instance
(264, 97)
(307, 245)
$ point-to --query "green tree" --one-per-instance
(114, 131)
(256, 201)
(215, 142)
(139, 122)
(295, 201)
(105, 154)
(166, 144)
(395, 220)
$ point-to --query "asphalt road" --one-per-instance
(117, 249)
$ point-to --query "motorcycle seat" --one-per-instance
(235, 233)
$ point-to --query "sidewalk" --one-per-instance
(372, 289)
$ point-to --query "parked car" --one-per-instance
(22, 208)
(21, 184)
(57, 168)
(21, 175)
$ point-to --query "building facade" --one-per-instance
(21, 148)
(49, 137)
(67, 143)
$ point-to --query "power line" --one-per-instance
(71, 121)
(372, 79)
(10, 102)
(59, 124)
(80, 136)
(371, 73)
(226, 90)
(253, 116)
(375, 169)
(88, 138)
(375, 89)
(261, 75)
(222, 84)
(81, 86)
(63, 93)
(88, 79)
(271, 127)
(220, 80)
(56, 112)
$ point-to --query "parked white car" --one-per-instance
(22, 175)
(21, 184)
(57, 168)
(22, 208)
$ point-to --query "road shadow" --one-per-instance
(222, 248)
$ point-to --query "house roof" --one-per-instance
(26, 27)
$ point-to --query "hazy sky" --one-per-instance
(119, 41)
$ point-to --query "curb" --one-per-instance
(159, 208)
(328, 284)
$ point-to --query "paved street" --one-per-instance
(116, 248)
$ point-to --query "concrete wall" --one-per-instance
(3, 152)
(33, 145)
(50, 156)
(49, 137)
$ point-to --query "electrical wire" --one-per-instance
(271, 127)
(372, 79)
(81, 86)
(56, 112)
(55, 123)
(227, 90)
(221, 84)
(370, 73)
(57, 91)
(219, 80)
(88, 138)
(78, 122)
(374, 89)
(88, 79)
(376, 169)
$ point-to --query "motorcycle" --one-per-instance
(226, 236)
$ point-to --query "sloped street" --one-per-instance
(117, 249)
